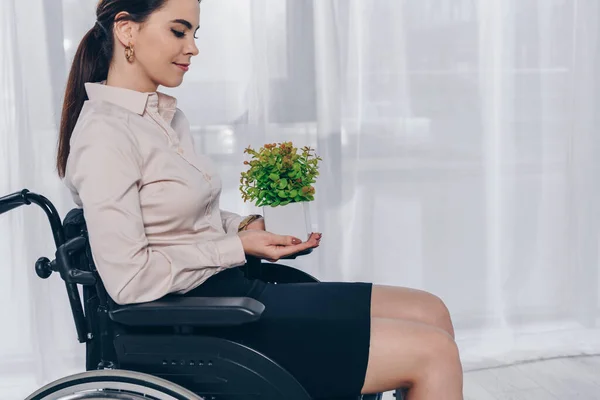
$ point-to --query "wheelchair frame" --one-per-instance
(137, 338)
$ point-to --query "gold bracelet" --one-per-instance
(247, 221)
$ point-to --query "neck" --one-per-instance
(129, 77)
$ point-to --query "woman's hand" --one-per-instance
(272, 247)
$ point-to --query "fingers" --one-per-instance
(283, 251)
(283, 246)
(316, 237)
(286, 240)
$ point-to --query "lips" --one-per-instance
(184, 67)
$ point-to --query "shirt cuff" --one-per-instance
(234, 225)
(231, 251)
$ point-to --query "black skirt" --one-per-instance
(319, 332)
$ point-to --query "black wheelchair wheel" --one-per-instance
(112, 384)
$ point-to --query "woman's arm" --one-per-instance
(104, 168)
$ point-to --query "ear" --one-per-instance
(125, 30)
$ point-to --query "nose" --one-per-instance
(192, 48)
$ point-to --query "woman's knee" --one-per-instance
(433, 311)
(439, 313)
(405, 352)
(411, 304)
(441, 348)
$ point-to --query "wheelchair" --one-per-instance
(157, 350)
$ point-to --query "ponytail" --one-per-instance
(89, 65)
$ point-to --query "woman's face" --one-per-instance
(164, 44)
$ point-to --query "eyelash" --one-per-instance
(180, 34)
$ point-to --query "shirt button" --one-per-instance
(180, 151)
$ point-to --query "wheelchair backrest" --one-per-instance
(96, 302)
(74, 226)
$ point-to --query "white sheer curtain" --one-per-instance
(459, 146)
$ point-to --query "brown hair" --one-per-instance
(92, 60)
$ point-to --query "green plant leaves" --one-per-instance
(279, 174)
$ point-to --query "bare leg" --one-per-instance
(415, 355)
(410, 304)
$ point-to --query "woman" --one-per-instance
(155, 226)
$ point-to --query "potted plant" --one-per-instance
(280, 179)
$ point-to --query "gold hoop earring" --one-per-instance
(129, 52)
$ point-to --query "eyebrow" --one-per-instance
(184, 22)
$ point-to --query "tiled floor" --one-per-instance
(565, 378)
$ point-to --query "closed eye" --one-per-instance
(180, 34)
(177, 33)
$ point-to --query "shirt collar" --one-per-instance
(134, 101)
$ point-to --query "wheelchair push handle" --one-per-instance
(25, 198)
(13, 201)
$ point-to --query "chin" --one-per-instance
(171, 82)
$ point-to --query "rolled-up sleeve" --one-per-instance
(104, 168)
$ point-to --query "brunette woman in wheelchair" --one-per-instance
(170, 289)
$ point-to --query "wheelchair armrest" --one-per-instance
(189, 311)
